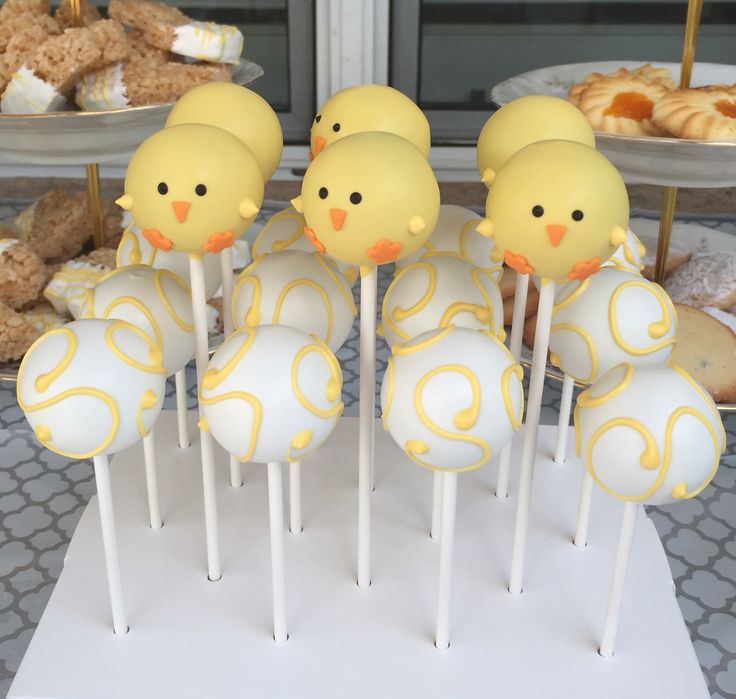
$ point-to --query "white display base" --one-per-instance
(193, 638)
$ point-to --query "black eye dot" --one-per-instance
(577, 215)
(323, 192)
(317, 119)
(336, 127)
(356, 198)
(163, 188)
(200, 190)
(538, 211)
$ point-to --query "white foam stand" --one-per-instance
(193, 638)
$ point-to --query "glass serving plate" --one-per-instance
(78, 138)
(647, 159)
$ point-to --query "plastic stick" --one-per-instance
(109, 543)
(149, 457)
(529, 450)
(180, 379)
(447, 536)
(586, 492)
(517, 331)
(434, 531)
(623, 553)
(563, 422)
(276, 519)
(295, 497)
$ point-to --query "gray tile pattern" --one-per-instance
(42, 496)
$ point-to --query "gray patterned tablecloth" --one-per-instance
(42, 496)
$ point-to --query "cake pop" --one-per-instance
(272, 394)
(89, 389)
(451, 398)
(647, 435)
(371, 198)
(455, 235)
(439, 291)
(629, 255)
(366, 108)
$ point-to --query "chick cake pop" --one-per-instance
(647, 435)
(451, 398)
(439, 291)
(365, 108)
(89, 389)
(369, 199)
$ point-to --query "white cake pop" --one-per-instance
(452, 398)
(609, 318)
(134, 249)
(92, 387)
(303, 290)
(155, 300)
(285, 231)
(438, 291)
(649, 434)
(629, 255)
(271, 394)
(456, 233)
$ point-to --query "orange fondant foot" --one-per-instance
(384, 251)
(517, 262)
(584, 269)
(219, 241)
(312, 237)
(154, 237)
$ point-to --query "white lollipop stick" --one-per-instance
(447, 536)
(533, 409)
(586, 492)
(149, 457)
(276, 519)
(623, 553)
(564, 420)
(434, 532)
(180, 379)
(201, 355)
(368, 291)
(295, 497)
(109, 543)
(226, 265)
(517, 331)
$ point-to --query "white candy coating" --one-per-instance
(649, 434)
(285, 231)
(612, 317)
(102, 89)
(456, 233)
(155, 300)
(134, 249)
(26, 93)
(207, 41)
(452, 398)
(438, 291)
(70, 285)
(300, 289)
(629, 255)
(271, 393)
(91, 387)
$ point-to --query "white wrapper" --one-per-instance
(102, 89)
(28, 94)
(207, 41)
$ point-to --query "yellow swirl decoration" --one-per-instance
(134, 257)
(463, 420)
(482, 314)
(332, 389)
(399, 314)
(327, 266)
(706, 398)
(279, 244)
(679, 491)
(649, 458)
(577, 291)
(389, 379)
(158, 278)
(590, 345)
(476, 274)
(467, 227)
(148, 400)
(656, 329)
(154, 351)
(44, 434)
(252, 317)
(141, 308)
(43, 381)
(412, 346)
(299, 442)
(630, 258)
(255, 405)
(508, 372)
(309, 283)
(587, 400)
(213, 377)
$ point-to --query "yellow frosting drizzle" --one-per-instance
(279, 244)
(467, 227)
(482, 313)
(139, 306)
(213, 377)
(679, 491)
(255, 405)
(332, 389)
(586, 400)
(580, 289)
(43, 381)
(399, 314)
(588, 340)
(148, 400)
(299, 442)
(476, 275)
(508, 372)
(154, 351)
(43, 433)
(656, 329)
(158, 278)
(252, 317)
(389, 379)
(320, 292)
(708, 400)
(411, 346)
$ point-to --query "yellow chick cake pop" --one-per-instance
(557, 209)
(238, 110)
(527, 120)
(193, 188)
(369, 108)
(371, 199)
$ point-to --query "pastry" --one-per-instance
(705, 280)
(707, 114)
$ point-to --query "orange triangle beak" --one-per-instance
(180, 210)
(556, 232)
(338, 218)
(319, 144)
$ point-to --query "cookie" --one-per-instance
(707, 114)
(23, 274)
(646, 72)
(705, 280)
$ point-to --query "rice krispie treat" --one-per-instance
(23, 274)
(65, 17)
(11, 26)
(110, 38)
(22, 45)
(43, 317)
(68, 288)
(140, 50)
(104, 257)
(16, 334)
(170, 29)
(13, 8)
